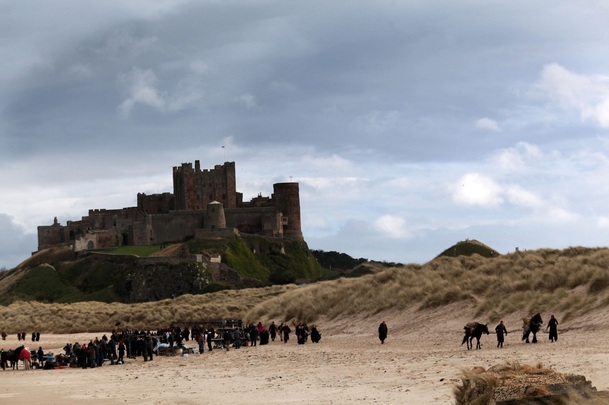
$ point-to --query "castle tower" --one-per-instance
(286, 198)
(215, 218)
(195, 188)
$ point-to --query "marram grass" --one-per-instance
(572, 281)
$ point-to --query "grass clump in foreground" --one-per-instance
(530, 384)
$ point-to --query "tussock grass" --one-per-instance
(572, 282)
(526, 282)
(515, 382)
(27, 317)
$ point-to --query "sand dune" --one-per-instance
(419, 363)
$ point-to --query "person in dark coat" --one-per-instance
(121, 352)
(315, 335)
(148, 348)
(253, 334)
(273, 331)
(500, 330)
(553, 325)
(226, 336)
(285, 330)
(40, 356)
(301, 334)
(383, 332)
(211, 334)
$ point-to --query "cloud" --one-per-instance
(378, 122)
(586, 94)
(141, 88)
(335, 164)
(518, 158)
(603, 222)
(475, 189)
(14, 241)
(393, 226)
(248, 101)
(517, 195)
(488, 124)
(557, 215)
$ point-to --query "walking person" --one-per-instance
(500, 330)
(273, 330)
(383, 332)
(285, 332)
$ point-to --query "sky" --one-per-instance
(409, 125)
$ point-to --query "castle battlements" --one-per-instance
(183, 214)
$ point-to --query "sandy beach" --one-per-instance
(420, 363)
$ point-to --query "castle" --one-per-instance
(204, 204)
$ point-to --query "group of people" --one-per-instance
(253, 335)
(552, 327)
(147, 344)
(500, 330)
(21, 336)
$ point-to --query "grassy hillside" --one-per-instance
(568, 282)
(60, 275)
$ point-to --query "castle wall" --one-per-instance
(105, 219)
(52, 235)
(95, 240)
(155, 203)
(256, 220)
(140, 234)
(175, 226)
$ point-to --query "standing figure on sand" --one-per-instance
(383, 332)
(553, 325)
(500, 330)
(285, 332)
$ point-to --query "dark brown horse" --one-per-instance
(531, 325)
(10, 358)
(473, 330)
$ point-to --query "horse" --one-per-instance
(10, 358)
(531, 325)
(474, 330)
(4, 359)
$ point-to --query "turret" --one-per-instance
(215, 219)
(286, 197)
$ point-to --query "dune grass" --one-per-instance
(572, 281)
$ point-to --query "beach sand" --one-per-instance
(419, 363)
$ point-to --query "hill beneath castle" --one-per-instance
(151, 273)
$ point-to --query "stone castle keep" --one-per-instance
(204, 204)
